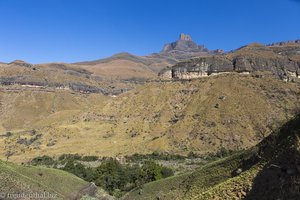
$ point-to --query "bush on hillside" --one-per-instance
(89, 158)
(43, 160)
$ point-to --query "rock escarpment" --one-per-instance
(198, 67)
(282, 60)
(20, 75)
(285, 42)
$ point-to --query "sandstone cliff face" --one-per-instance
(198, 67)
(282, 61)
(279, 66)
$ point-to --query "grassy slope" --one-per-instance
(127, 66)
(276, 175)
(121, 69)
(248, 112)
(50, 73)
(27, 179)
(271, 170)
(28, 109)
(185, 185)
(176, 117)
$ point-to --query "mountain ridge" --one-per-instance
(124, 71)
(282, 60)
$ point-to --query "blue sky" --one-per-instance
(40, 31)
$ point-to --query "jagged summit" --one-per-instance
(185, 37)
(184, 43)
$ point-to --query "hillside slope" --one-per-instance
(17, 179)
(229, 111)
(57, 76)
(271, 170)
(124, 66)
(23, 107)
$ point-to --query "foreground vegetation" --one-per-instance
(16, 179)
(131, 173)
(111, 175)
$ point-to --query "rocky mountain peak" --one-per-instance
(184, 44)
(185, 37)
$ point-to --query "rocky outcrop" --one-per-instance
(184, 43)
(285, 43)
(281, 62)
(185, 37)
(279, 66)
(198, 67)
(80, 87)
(77, 87)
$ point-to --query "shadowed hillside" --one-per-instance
(271, 170)
(280, 178)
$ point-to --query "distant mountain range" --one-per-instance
(110, 75)
(128, 66)
(182, 59)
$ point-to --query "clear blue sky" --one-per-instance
(40, 31)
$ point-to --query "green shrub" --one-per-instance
(69, 157)
(89, 158)
(8, 134)
(154, 156)
(80, 170)
(110, 175)
(43, 160)
(167, 172)
(152, 170)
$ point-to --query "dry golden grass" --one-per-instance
(121, 69)
(174, 117)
